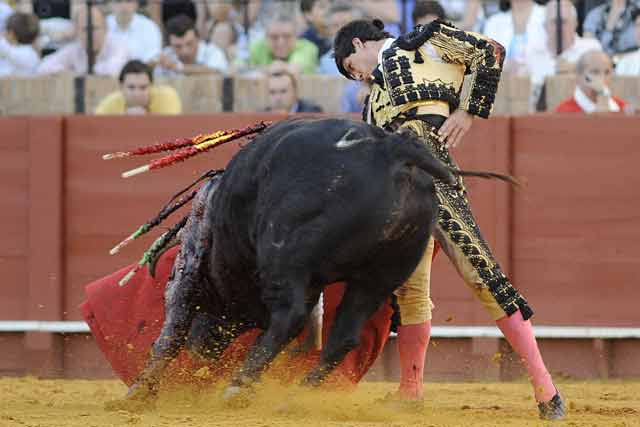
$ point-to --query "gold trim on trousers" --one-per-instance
(460, 238)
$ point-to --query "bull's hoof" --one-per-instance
(237, 397)
(139, 398)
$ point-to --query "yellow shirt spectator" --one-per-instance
(138, 94)
(162, 100)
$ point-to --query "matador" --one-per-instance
(416, 82)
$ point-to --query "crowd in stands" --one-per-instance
(137, 41)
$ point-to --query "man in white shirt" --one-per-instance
(110, 51)
(629, 64)
(17, 55)
(143, 36)
(5, 12)
(186, 53)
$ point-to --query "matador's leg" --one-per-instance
(415, 327)
(459, 235)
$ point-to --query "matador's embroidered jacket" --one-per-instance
(423, 71)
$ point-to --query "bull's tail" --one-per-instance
(415, 153)
(486, 175)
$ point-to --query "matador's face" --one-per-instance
(363, 61)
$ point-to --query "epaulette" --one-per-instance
(420, 34)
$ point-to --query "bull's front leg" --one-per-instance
(357, 306)
(285, 300)
(179, 313)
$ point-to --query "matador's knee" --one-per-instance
(414, 295)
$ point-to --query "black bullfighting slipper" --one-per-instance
(553, 409)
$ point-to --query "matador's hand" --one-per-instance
(455, 127)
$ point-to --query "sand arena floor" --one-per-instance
(62, 403)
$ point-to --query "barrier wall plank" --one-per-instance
(199, 94)
(46, 275)
(95, 89)
(576, 240)
(249, 94)
(627, 88)
(559, 88)
(14, 212)
(41, 95)
(325, 91)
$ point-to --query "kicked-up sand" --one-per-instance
(81, 403)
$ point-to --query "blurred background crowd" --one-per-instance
(139, 41)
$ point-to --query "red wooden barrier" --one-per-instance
(569, 239)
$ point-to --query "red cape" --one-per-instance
(125, 322)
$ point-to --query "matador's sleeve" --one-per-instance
(482, 57)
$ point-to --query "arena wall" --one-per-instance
(568, 238)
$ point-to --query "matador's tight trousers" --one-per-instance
(459, 237)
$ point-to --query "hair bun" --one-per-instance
(378, 24)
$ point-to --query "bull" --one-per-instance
(307, 203)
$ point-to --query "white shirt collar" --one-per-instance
(588, 106)
(385, 46)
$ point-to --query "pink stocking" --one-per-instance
(519, 333)
(412, 345)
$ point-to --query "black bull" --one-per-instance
(307, 203)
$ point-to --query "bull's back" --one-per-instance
(303, 177)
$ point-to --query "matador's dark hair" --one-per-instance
(363, 29)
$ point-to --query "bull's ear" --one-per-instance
(349, 139)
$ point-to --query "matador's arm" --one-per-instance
(480, 55)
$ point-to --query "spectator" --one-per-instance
(283, 95)
(469, 15)
(17, 55)
(216, 12)
(315, 12)
(248, 31)
(612, 24)
(56, 26)
(143, 36)
(427, 11)
(282, 47)
(138, 94)
(543, 60)
(5, 12)
(629, 64)
(389, 12)
(517, 28)
(339, 15)
(223, 34)
(110, 51)
(186, 53)
(161, 11)
(592, 93)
